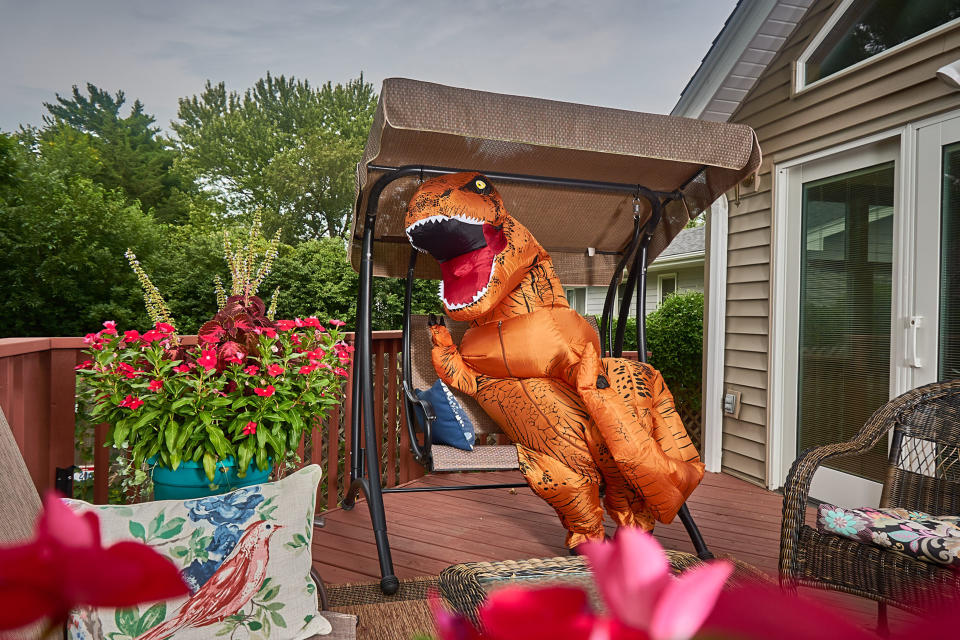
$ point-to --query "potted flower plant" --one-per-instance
(210, 417)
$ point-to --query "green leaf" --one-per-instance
(137, 531)
(220, 443)
(145, 418)
(176, 404)
(173, 527)
(152, 617)
(278, 619)
(253, 625)
(128, 621)
(170, 434)
(209, 466)
(275, 606)
(155, 524)
(180, 552)
(270, 594)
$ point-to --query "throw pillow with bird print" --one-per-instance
(244, 554)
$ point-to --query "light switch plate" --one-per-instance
(731, 403)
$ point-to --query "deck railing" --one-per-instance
(38, 397)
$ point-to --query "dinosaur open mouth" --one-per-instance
(465, 248)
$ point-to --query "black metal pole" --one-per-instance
(617, 349)
(606, 324)
(370, 484)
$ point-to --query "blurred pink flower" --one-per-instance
(65, 566)
(633, 575)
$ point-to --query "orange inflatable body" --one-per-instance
(579, 422)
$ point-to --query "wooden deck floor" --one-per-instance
(431, 531)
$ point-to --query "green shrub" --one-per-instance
(675, 343)
(675, 340)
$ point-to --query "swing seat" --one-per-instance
(439, 457)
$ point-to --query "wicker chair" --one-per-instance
(923, 474)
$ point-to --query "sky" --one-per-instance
(635, 55)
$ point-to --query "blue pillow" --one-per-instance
(452, 426)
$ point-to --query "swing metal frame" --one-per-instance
(713, 177)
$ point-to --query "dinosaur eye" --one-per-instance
(479, 185)
(269, 526)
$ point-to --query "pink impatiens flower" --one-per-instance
(337, 323)
(286, 325)
(183, 367)
(207, 359)
(307, 369)
(164, 327)
(340, 371)
(264, 392)
(86, 364)
(155, 385)
(274, 370)
(250, 428)
(131, 336)
(252, 370)
(131, 403)
(109, 326)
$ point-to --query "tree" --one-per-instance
(133, 155)
(282, 147)
(315, 278)
(64, 236)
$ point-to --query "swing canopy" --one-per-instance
(561, 146)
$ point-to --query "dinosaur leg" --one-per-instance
(548, 423)
(624, 505)
(631, 427)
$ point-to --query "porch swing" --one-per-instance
(572, 175)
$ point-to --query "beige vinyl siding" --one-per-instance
(885, 93)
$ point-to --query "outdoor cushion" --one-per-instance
(219, 542)
(452, 426)
(919, 535)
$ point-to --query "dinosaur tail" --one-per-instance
(663, 480)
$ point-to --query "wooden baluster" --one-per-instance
(378, 390)
(101, 465)
(393, 424)
(333, 454)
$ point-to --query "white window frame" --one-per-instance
(784, 292)
(800, 80)
(660, 279)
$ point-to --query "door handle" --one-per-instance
(914, 327)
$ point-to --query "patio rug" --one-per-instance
(401, 616)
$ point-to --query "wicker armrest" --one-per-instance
(796, 490)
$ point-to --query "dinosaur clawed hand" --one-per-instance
(439, 333)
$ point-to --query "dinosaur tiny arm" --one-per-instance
(449, 363)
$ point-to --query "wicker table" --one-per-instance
(465, 586)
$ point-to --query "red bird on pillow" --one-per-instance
(579, 422)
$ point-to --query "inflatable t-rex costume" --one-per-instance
(532, 363)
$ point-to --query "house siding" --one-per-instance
(886, 93)
(689, 278)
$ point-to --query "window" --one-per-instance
(861, 29)
(577, 298)
(667, 284)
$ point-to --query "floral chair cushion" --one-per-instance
(929, 538)
(245, 555)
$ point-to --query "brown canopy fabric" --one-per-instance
(421, 123)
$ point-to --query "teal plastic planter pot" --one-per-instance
(190, 481)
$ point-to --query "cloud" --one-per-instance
(631, 55)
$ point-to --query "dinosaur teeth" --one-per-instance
(479, 294)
